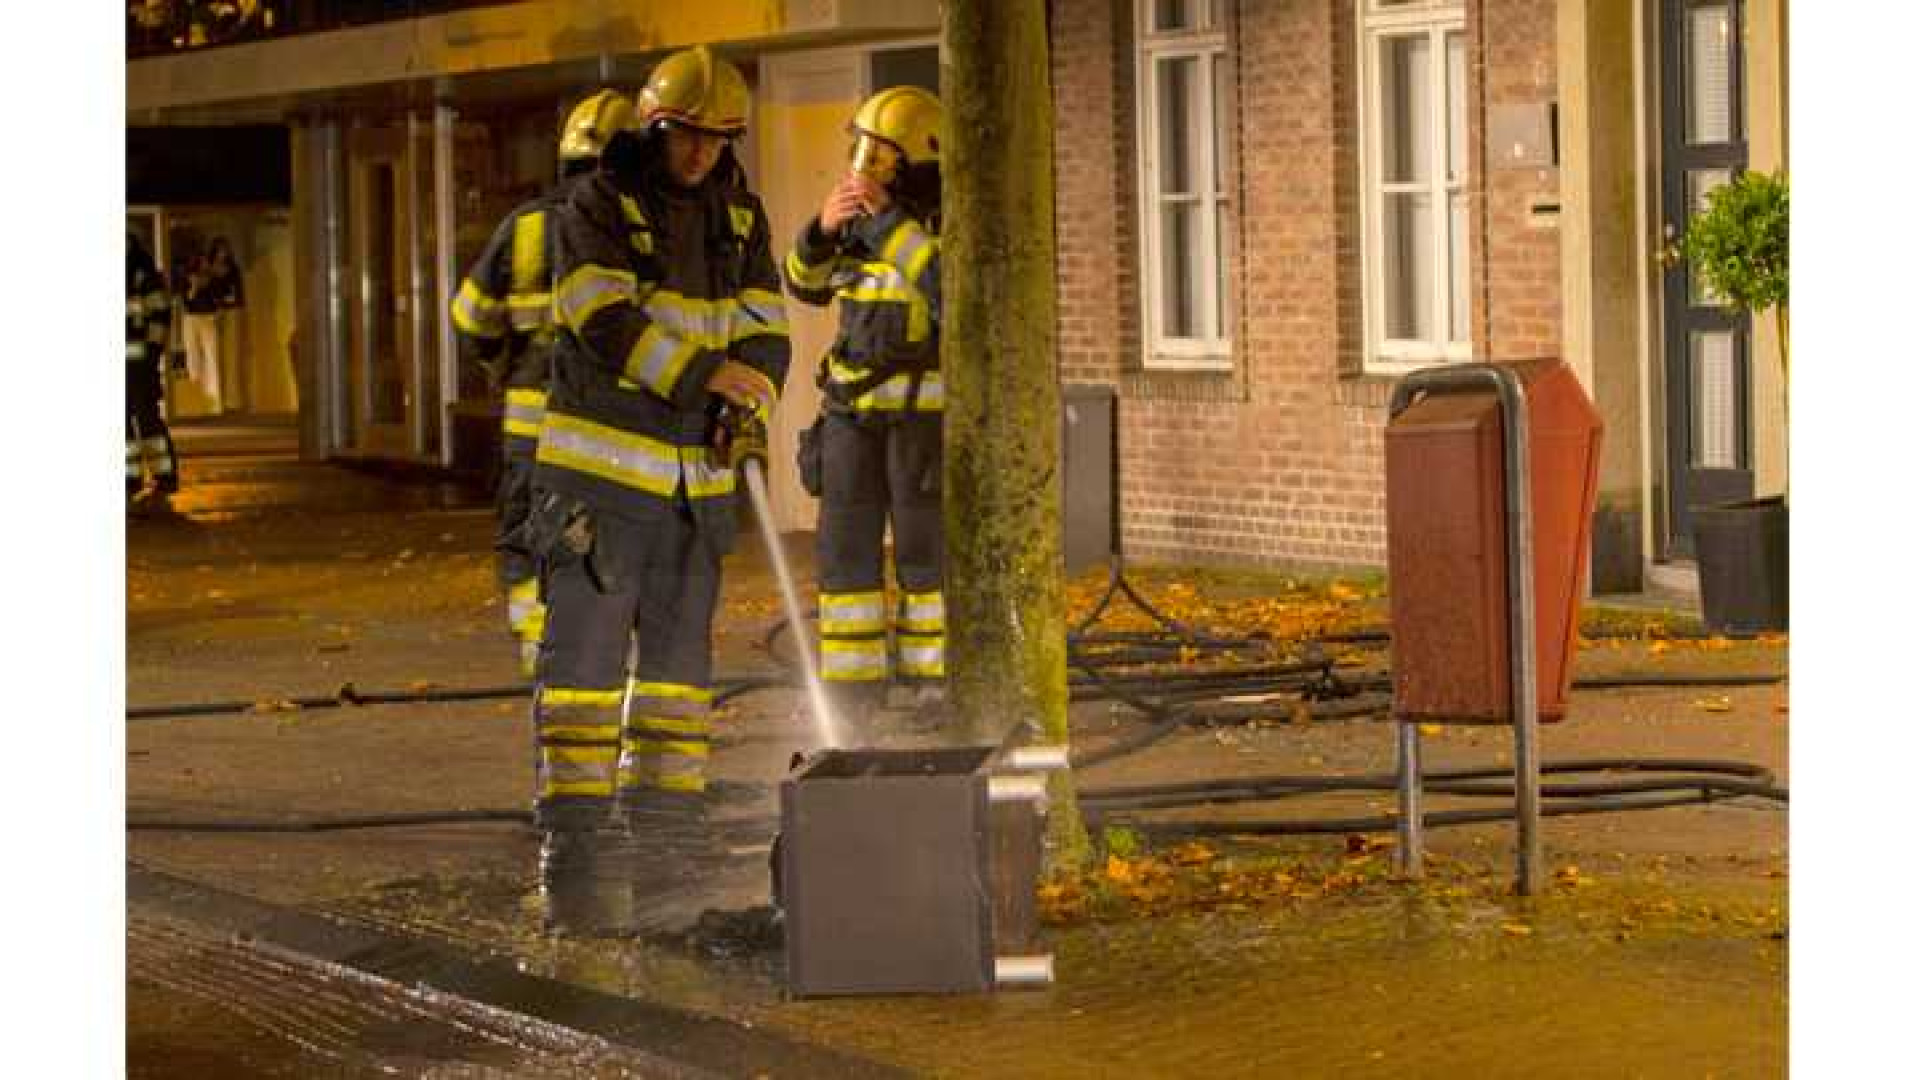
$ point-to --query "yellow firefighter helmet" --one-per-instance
(897, 126)
(592, 122)
(696, 89)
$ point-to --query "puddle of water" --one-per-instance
(1625, 978)
(201, 1007)
(1373, 989)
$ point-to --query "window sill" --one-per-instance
(1182, 384)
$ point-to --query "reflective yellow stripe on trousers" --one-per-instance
(579, 735)
(668, 737)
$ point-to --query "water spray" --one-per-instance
(745, 438)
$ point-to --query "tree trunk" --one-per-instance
(1006, 625)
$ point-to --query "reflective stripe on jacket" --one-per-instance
(505, 304)
(647, 303)
(149, 308)
(885, 271)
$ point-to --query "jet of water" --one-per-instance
(825, 722)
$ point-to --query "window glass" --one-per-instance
(1709, 95)
(1406, 108)
(1456, 107)
(1415, 162)
(1408, 295)
(1181, 14)
(1178, 133)
(1714, 431)
(918, 65)
(1457, 283)
(1180, 268)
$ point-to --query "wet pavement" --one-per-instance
(271, 580)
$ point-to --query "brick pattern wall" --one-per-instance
(1094, 197)
(1516, 265)
(1280, 463)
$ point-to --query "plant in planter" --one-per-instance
(1738, 246)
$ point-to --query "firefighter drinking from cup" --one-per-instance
(875, 246)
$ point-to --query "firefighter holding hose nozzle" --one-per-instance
(668, 310)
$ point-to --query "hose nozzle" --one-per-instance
(740, 437)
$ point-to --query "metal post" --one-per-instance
(420, 424)
(335, 365)
(444, 271)
(1410, 859)
(1521, 661)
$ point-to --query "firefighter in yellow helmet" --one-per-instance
(670, 327)
(875, 246)
(503, 317)
(149, 312)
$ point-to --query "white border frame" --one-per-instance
(1394, 356)
(1209, 46)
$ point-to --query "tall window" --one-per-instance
(1182, 77)
(1413, 126)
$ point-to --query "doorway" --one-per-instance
(390, 391)
(1707, 344)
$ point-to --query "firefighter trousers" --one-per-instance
(605, 729)
(513, 499)
(149, 443)
(876, 469)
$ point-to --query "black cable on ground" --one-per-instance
(724, 690)
(1710, 781)
(1166, 722)
(1435, 819)
(329, 824)
(1733, 777)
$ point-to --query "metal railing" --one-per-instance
(165, 27)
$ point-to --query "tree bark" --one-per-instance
(1006, 626)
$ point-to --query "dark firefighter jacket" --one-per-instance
(149, 309)
(650, 295)
(885, 268)
(504, 309)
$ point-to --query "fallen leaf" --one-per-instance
(1193, 853)
(1714, 704)
(1514, 929)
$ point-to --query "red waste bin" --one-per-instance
(1446, 545)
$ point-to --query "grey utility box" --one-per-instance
(1089, 527)
(910, 871)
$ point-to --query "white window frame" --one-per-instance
(1206, 44)
(1436, 19)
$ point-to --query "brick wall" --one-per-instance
(1093, 194)
(1280, 462)
(1516, 264)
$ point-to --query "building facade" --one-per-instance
(414, 129)
(1270, 210)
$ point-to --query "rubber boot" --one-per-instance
(667, 824)
(586, 881)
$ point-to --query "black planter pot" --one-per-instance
(1742, 550)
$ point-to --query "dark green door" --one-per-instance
(1709, 455)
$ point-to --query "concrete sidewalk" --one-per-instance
(277, 580)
